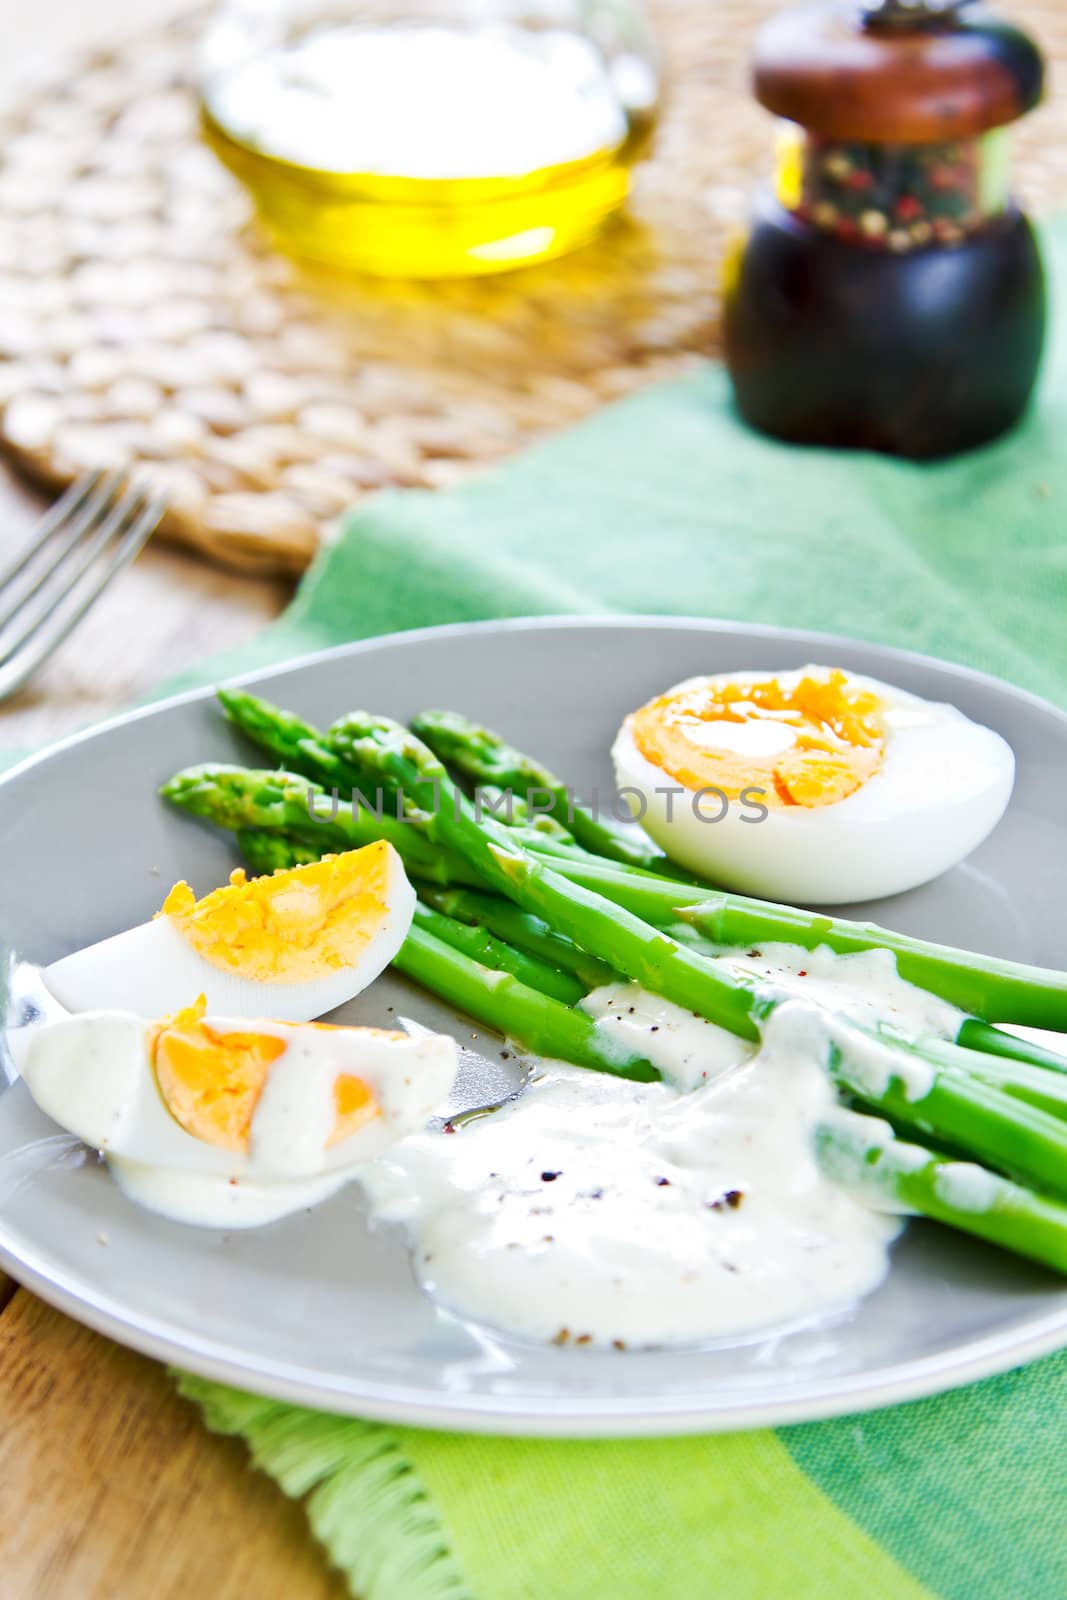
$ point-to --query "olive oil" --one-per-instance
(424, 151)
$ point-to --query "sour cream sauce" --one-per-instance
(594, 1211)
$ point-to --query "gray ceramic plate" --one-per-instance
(319, 1310)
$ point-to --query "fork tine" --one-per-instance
(68, 574)
(71, 567)
(40, 642)
(71, 533)
(66, 507)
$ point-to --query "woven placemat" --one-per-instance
(143, 317)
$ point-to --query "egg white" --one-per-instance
(93, 1075)
(153, 970)
(943, 785)
(203, 1200)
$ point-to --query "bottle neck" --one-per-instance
(895, 197)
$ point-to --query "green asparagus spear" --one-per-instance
(289, 804)
(981, 1039)
(273, 852)
(1035, 1085)
(908, 1084)
(994, 990)
(498, 999)
(297, 745)
(485, 758)
(985, 986)
(863, 1154)
(992, 1041)
(613, 935)
(489, 951)
(511, 809)
(504, 919)
(301, 748)
(530, 933)
(1045, 1090)
(233, 796)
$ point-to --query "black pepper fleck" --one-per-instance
(662, 1183)
(549, 1177)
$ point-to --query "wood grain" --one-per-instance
(113, 1490)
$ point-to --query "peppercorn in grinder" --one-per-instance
(890, 295)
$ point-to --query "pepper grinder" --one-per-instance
(889, 295)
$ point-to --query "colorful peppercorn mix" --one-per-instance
(896, 197)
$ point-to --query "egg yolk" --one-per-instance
(296, 925)
(807, 739)
(211, 1081)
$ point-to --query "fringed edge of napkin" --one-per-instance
(364, 1500)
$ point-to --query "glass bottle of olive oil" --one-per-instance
(430, 138)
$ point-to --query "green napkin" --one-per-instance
(666, 504)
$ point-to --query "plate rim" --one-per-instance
(558, 1417)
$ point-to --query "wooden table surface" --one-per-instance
(112, 1489)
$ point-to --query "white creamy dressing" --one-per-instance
(597, 1211)
(864, 987)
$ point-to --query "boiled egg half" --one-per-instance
(230, 1123)
(815, 785)
(295, 944)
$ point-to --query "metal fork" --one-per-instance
(90, 535)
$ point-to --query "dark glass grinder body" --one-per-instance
(918, 355)
(907, 327)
